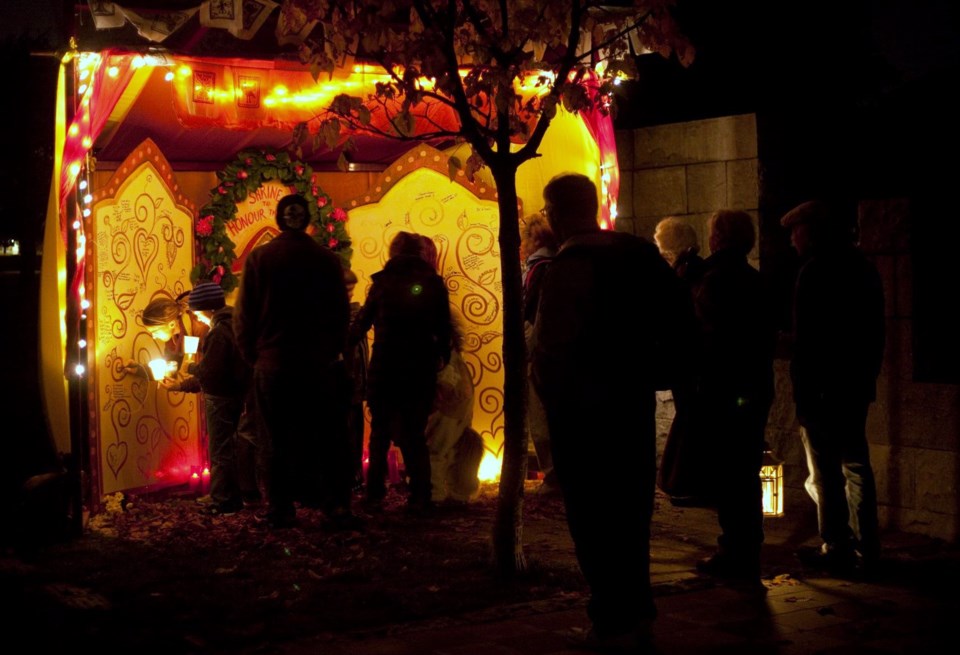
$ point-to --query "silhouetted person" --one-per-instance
(684, 465)
(738, 337)
(609, 304)
(291, 323)
(538, 247)
(357, 358)
(409, 310)
(838, 340)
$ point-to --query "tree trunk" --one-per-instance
(508, 556)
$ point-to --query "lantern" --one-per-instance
(771, 482)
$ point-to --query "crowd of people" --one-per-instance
(610, 319)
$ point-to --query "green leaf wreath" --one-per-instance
(240, 178)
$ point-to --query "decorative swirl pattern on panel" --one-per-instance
(141, 229)
(473, 283)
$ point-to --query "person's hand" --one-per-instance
(135, 368)
(170, 384)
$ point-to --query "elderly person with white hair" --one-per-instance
(677, 241)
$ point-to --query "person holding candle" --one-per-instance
(163, 318)
(224, 378)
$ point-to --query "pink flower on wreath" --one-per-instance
(271, 158)
(222, 190)
(205, 226)
(220, 270)
(332, 243)
(298, 170)
(247, 161)
(313, 180)
(315, 190)
(243, 174)
(330, 228)
(339, 215)
(322, 201)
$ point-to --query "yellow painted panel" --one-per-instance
(141, 247)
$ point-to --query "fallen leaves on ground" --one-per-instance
(175, 578)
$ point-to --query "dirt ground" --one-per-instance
(156, 575)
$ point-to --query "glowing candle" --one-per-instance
(190, 345)
(158, 368)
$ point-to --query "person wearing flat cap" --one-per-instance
(838, 340)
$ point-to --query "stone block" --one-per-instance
(720, 139)
(658, 146)
(645, 226)
(884, 225)
(626, 224)
(660, 192)
(895, 469)
(923, 415)
(624, 139)
(937, 486)
(920, 521)
(706, 187)
(743, 190)
(715, 139)
(625, 197)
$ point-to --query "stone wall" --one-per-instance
(688, 170)
(692, 169)
(913, 427)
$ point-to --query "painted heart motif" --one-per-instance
(139, 391)
(116, 457)
(143, 465)
(145, 249)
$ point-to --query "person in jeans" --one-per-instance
(838, 341)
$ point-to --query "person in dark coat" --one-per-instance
(738, 337)
(224, 379)
(610, 306)
(684, 463)
(291, 324)
(409, 309)
(838, 341)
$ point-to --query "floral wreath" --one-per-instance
(240, 178)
